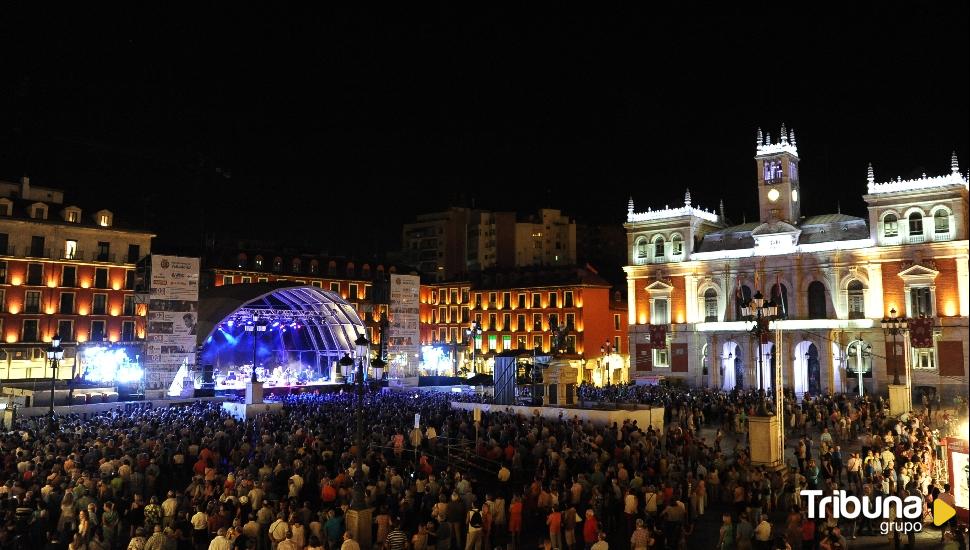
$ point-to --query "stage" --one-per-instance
(238, 388)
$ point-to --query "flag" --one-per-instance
(921, 332)
(658, 336)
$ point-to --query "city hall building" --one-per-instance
(834, 278)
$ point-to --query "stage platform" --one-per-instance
(239, 390)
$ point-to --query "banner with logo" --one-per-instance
(403, 330)
(173, 315)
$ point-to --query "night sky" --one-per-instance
(335, 128)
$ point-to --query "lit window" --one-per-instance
(924, 358)
(856, 299)
(70, 250)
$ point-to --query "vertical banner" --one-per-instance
(679, 359)
(173, 314)
(644, 356)
(403, 331)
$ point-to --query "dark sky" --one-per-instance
(338, 127)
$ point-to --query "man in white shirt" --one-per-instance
(349, 542)
(278, 531)
(220, 542)
(601, 544)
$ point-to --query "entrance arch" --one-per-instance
(807, 369)
(732, 367)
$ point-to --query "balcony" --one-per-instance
(891, 240)
(918, 238)
(940, 237)
(34, 252)
(659, 260)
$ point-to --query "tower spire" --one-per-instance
(791, 137)
(761, 139)
(871, 175)
(784, 134)
(629, 205)
(954, 163)
(687, 198)
(767, 138)
(721, 209)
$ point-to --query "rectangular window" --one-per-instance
(316, 284)
(491, 321)
(492, 297)
(3, 273)
(454, 296)
(660, 314)
(506, 342)
(129, 307)
(97, 331)
(453, 314)
(69, 276)
(616, 343)
(442, 334)
(101, 277)
(441, 296)
(3, 306)
(567, 299)
(661, 357)
(128, 331)
(553, 321)
(506, 300)
(537, 342)
(4, 242)
(492, 342)
(520, 323)
(616, 321)
(247, 280)
(478, 299)
(434, 316)
(99, 305)
(553, 299)
(65, 329)
(368, 292)
(442, 314)
(134, 253)
(464, 314)
(104, 251)
(352, 293)
(67, 303)
(70, 250)
(29, 333)
(478, 319)
(32, 302)
(506, 321)
(464, 295)
(130, 279)
(536, 321)
(454, 335)
(521, 301)
(35, 274)
(263, 279)
(226, 280)
(920, 302)
(571, 321)
(571, 343)
(335, 287)
(924, 358)
(536, 300)
(37, 246)
(520, 342)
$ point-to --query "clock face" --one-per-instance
(773, 195)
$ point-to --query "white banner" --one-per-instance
(173, 316)
(403, 331)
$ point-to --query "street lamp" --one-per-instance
(54, 354)
(762, 313)
(895, 326)
(256, 326)
(472, 334)
(606, 350)
(362, 346)
(345, 363)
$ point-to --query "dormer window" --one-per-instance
(72, 214)
(38, 211)
(5, 207)
(104, 218)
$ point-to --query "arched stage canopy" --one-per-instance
(302, 325)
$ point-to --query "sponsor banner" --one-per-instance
(173, 316)
(403, 331)
(174, 278)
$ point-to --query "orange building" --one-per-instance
(62, 272)
(519, 310)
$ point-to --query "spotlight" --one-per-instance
(231, 323)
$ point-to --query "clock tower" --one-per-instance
(778, 189)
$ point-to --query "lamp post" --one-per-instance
(256, 326)
(606, 350)
(895, 326)
(762, 313)
(54, 354)
(472, 334)
(345, 363)
(362, 346)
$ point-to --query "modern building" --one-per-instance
(834, 278)
(520, 310)
(64, 271)
(452, 243)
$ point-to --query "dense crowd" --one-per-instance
(193, 478)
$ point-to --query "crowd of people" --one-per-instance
(194, 478)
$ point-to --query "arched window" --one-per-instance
(779, 297)
(916, 223)
(259, 262)
(741, 300)
(816, 301)
(241, 260)
(658, 247)
(642, 250)
(314, 266)
(676, 245)
(710, 305)
(277, 264)
(857, 302)
(351, 269)
(297, 265)
(332, 268)
(941, 221)
(890, 225)
(365, 271)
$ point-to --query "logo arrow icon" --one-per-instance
(942, 512)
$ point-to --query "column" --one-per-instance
(963, 285)
(690, 286)
(875, 308)
(631, 300)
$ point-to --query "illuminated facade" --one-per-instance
(834, 276)
(517, 311)
(63, 271)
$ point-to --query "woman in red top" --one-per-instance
(591, 529)
(515, 518)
